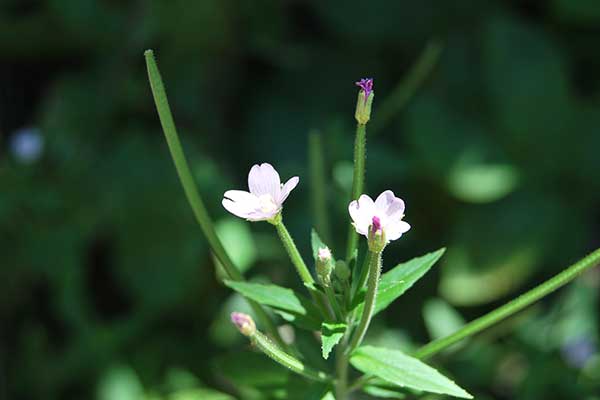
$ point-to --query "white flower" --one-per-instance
(384, 214)
(266, 196)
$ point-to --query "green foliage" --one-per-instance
(331, 334)
(399, 279)
(107, 282)
(395, 367)
(291, 305)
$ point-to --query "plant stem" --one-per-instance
(191, 191)
(316, 164)
(333, 302)
(372, 285)
(301, 267)
(285, 359)
(293, 252)
(341, 368)
(481, 323)
(359, 282)
(408, 86)
(358, 180)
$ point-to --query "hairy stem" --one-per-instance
(371, 295)
(293, 252)
(358, 180)
(191, 191)
(301, 268)
(285, 359)
(341, 368)
(333, 302)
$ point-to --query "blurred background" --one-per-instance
(107, 287)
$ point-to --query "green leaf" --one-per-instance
(331, 334)
(385, 393)
(270, 295)
(396, 367)
(287, 303)
(399, 279)
(316, 243)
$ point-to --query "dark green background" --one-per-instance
(106, 280)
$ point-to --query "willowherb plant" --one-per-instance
(344, 293)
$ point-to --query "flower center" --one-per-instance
(376, 225)
(267, 204)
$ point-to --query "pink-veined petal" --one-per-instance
(287, 188)
(263, 179)
(391, 205)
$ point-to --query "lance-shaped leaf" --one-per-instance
(331, 334)
(397, 368)
(399, 279)
(292, 306)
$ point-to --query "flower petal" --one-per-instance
(287, 188)
(395, 230)
(362, 212)
(392, 206)
(263, 179)
(240, 203)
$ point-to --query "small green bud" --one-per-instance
(324, 266)
(341, 270)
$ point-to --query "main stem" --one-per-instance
(481, 323)
(358, 181)
(372, 285)
(191, 191)
(341, 368)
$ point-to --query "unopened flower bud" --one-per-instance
(364, 101)
(341, 270)
(244, 323)
(377, 240)
(324, 266)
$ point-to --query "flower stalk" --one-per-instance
(358, 179)
(293, 252)
(370, 297)
(246, 327)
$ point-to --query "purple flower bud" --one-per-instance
(366, 84)
(364, 101)
(244, 323)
